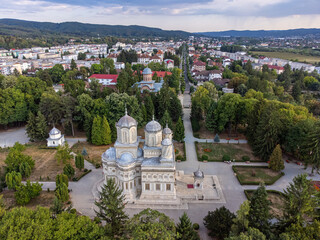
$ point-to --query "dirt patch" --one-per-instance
(94, 152)
(45, 199)
(235, 151)
(204, 133)
(179, 149)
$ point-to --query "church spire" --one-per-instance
(126, 111)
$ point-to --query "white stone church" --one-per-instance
(145, 173)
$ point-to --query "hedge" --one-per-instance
(76, 179)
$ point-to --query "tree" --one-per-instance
(96, 132)
(62, 178)
(302, 231)
(62, 192)
(25, 169)
(25, 193)
(179, 131)
(56, 73)
(13, 179)
(175, 108)
(219, 222)
(276, 162)
(251, 234)
(300, 201)
(111, 207)
(216, 138)
(166, 119)
(185, 229)
(259, 210)
(149, 107)
(57, 207)
(79, 162)
(210, 121)
(31, 127)
(42, 127)
(68, 170)
(312, 146)
(15, 159)
(73, 65)
(105, 131)
(63, 153)
(241, 222)
(151, 224)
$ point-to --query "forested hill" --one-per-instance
(21, 28)
(265, 33)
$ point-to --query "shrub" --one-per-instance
(226, 158)
(73, 211)
(245, 158)
(27, 192)
(98, 165)
(179, 157)
(85, 170)
(196, 226)
(176, 151)
(216, 138)
(204, 157)
(97, 220)
(195, 125)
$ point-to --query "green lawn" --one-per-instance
(218, 150)
(254, 175)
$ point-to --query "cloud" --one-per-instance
(189, 15)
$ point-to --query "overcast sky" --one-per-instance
(188, 15)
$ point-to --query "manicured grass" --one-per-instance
(254, 175)
(289, 56)
(218, 150)
(277, 201)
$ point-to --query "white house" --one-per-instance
(55, 138)
(169, 63)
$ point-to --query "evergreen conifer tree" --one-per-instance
(216, 138)
(259, 215)
(105, 131)
(149, 107)
(166, 119)
(111, 207)
(79, 162)
(62, 192)
(42, 127)
(179, 131)
(185, 229)
(62, 178)
(210, 121)
(96, 131)
(276, 163)
(31, 127)
(175, 108)
(144, 113)
(73, 65)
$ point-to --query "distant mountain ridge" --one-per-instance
(265, 33)
(23, 28)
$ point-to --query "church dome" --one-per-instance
(125, 159)
(126, 121)
(54, 131)
(166, 130)
(147, 71)
(198, 174)
(166, 142)
(153, 126)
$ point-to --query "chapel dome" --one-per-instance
(166, 142)
(166, 130)
(126, 121)
(125, 159)
(147, 71)
(153, 126)
(198, 174)
(54, 131)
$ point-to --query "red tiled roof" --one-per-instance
(114, 77)
(275, 67)
(199, 63)
(161, 73)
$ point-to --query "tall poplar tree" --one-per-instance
(96, 136)
(31, 127)
(42, 127)
(276, 163)
(179, 131)
(105, 131)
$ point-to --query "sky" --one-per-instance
(187, 15)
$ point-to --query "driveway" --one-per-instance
(10, 137)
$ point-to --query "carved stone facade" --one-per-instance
(146, 173)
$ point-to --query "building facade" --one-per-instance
(143, 173)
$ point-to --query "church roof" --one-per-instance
(125, 159)
(127, 121)
(54, 131)
(147, 71)
(153, 126)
